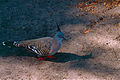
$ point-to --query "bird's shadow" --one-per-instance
(65, 57)
(60, 57)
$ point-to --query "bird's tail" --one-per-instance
(10, 44)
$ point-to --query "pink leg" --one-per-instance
(40, 58)
(43, 59)
(50, 57)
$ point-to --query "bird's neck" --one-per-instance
(59, 40)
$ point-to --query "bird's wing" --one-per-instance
(41, 46)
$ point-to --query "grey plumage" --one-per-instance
(41, 46)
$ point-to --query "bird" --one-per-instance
(45, 46)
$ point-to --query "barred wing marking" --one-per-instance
(32, 48)
(41, 46)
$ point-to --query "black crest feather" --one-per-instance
(58, 28)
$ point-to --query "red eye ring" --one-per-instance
(59, 36)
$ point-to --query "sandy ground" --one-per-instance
(91, 56)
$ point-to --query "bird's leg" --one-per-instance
(50, 57)
(44, 58)
(41, 58)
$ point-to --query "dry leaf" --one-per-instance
(87, 31)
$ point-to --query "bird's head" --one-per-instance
(59, 35)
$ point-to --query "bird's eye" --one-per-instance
(59, 36)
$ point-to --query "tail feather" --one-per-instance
(10, 44)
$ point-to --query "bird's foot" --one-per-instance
(41, 58)
(51, 57)
(44, 58)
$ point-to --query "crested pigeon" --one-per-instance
(46, 46)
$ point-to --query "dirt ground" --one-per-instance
(85, 55)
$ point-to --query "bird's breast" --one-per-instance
(55, 47)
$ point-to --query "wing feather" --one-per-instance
(41, 46)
